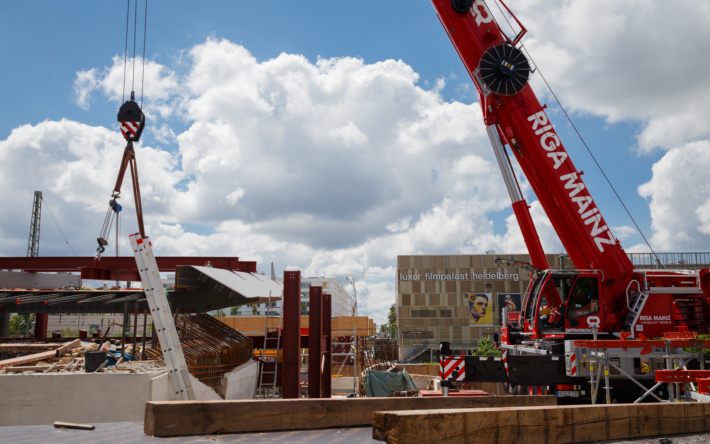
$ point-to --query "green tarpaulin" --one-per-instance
(380, 384)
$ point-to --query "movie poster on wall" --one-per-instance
(510, 300)
(480, 309)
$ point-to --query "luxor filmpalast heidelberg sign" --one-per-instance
(460, 277)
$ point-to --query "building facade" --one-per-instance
(459, 298)
(342, 301)
(453, 298)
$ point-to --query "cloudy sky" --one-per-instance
(331, 137)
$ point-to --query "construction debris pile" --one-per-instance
(212, 348)
(71, 357)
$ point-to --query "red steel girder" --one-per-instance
(639, 343)
(682, 376)
(74, 264)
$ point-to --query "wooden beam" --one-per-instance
(18, 346)
(180, 418)
(28, 368)
(68, 346)
(28, 358)
(71, 425)
(542, 424)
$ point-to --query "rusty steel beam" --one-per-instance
(291, 373)
(315, 321)
(326, 311)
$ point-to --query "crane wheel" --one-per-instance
(461, 6)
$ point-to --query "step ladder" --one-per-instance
(638, 301)
(162, 318)
(272, 342)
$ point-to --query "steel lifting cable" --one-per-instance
(579, 135)
(44, 201)
(591, 154)
(132, 122)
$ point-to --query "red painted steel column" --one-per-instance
(291, 376)
(41, 321)
(314, 342)
(326, 309)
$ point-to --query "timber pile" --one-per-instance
(48, 360)
(545, 424)
(68, 358)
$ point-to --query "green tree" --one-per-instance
(304, 308)
(392, 321)
(486, 347)
(21, 325)
(234, 311)
(254, 309)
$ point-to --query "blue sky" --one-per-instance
(332, 136)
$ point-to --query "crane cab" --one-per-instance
(558, 302)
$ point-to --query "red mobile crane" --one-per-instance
(604, 295)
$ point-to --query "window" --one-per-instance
(417, 335)
(423, 313)
(584, 299)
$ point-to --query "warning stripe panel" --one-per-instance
(449, 365)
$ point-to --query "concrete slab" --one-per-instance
(111, 433)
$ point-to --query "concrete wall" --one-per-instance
(102, 397)
(82, 398)
(343, 385)
(160, 389)
(17, 279)
(241, 382)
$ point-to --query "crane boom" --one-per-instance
(500, 72)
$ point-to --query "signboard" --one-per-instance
(480, 309)
(510, 300)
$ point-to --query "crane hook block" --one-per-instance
(132, 121)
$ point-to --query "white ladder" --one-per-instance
(162, 318)
(269, 389)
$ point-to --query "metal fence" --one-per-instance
(690, 261)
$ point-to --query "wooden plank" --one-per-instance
(27, 359)
(71, 425)
(179, 418)
(28, 368)
(68, 346)
(17, 346)
(540, 424)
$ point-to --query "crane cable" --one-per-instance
(579, 135)
(135, 39)
(114, 209)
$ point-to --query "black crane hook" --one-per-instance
(131, 120)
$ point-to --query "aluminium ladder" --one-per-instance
(269, 389)
(162, 318)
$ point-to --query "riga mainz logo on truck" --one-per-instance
(588, 212)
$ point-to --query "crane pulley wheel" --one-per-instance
(461, 6)
(504, 69)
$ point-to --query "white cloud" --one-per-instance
(338, 166)
(678, 196)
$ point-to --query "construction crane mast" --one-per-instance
(35, 223)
